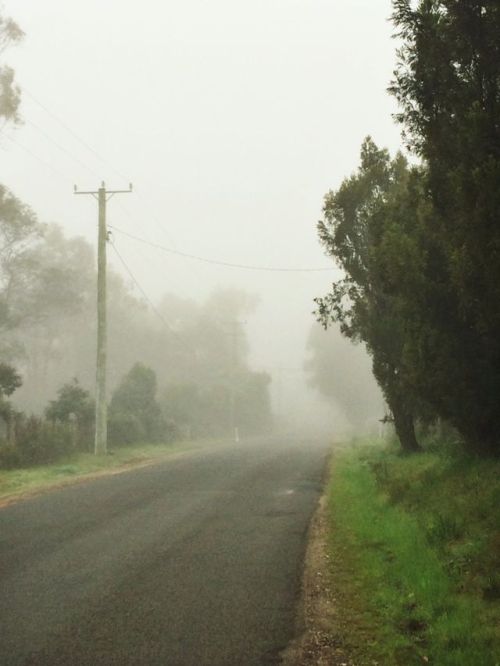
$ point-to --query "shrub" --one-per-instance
(10, 380)
(10, 457)
(74, 406)
(39, 442)
(134, 413)
(125, 429)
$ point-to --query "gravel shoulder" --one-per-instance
(321, 630)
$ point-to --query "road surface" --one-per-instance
(191, 562)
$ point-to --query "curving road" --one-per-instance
(191, 562)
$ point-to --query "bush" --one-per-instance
(134, 414)
(125, 429)
(10, 457)
(10, 380)
(74, 406)
(39, 442)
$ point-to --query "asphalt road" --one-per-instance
(193, 561)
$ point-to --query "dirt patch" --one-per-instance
(321, 641)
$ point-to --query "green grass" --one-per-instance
(18, 482)
(415, 546)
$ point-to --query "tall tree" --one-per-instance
(10, 380)
(19, 233)
(48, 287)
(447, 83)
(361, 302)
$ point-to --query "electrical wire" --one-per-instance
(73, 133)
(149, 301)
(69, 154)
(86, 145)
(169, 250)
(39, 159)
(226, 264)
(63, 149)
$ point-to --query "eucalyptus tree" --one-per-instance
(19, 234)
(10, 94)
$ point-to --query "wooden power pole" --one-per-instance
(235, 332)
(101, 412)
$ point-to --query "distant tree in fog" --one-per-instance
(342, 373)
(10, 380)
(49, 302)
(19, 233)
(72, 401)
(134, 413)
(10, 95)
(47, 328)
(74, 406)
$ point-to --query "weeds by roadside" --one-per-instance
(17, 482)
(415, 548)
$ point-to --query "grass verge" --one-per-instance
(20, 482)
(415, 552)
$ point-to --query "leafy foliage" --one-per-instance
(420, 246)
(74, 406)
(134, 412)
(40, 442)
(448, 86)
(10, 97)
(19, 231)
(36, 442)
(72, 400)
(10, 380)
(367, 309)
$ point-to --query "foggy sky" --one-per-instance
(232, 119)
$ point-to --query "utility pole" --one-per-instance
(101, 412)
(235, 332)
(232, 398)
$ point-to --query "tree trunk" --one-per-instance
(405, 427)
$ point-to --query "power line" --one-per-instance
(63, 149)
(73, 133)
(174, 251)
(215, 262)
(149, 301)
(86, 145)
(39, 159)
(72, 156)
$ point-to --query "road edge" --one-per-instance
(318, 640)
(79, 479)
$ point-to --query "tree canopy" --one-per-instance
(448, 86)
(353, 233)
(10, 94)
(420, 245)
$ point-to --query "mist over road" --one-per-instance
(193, 561)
